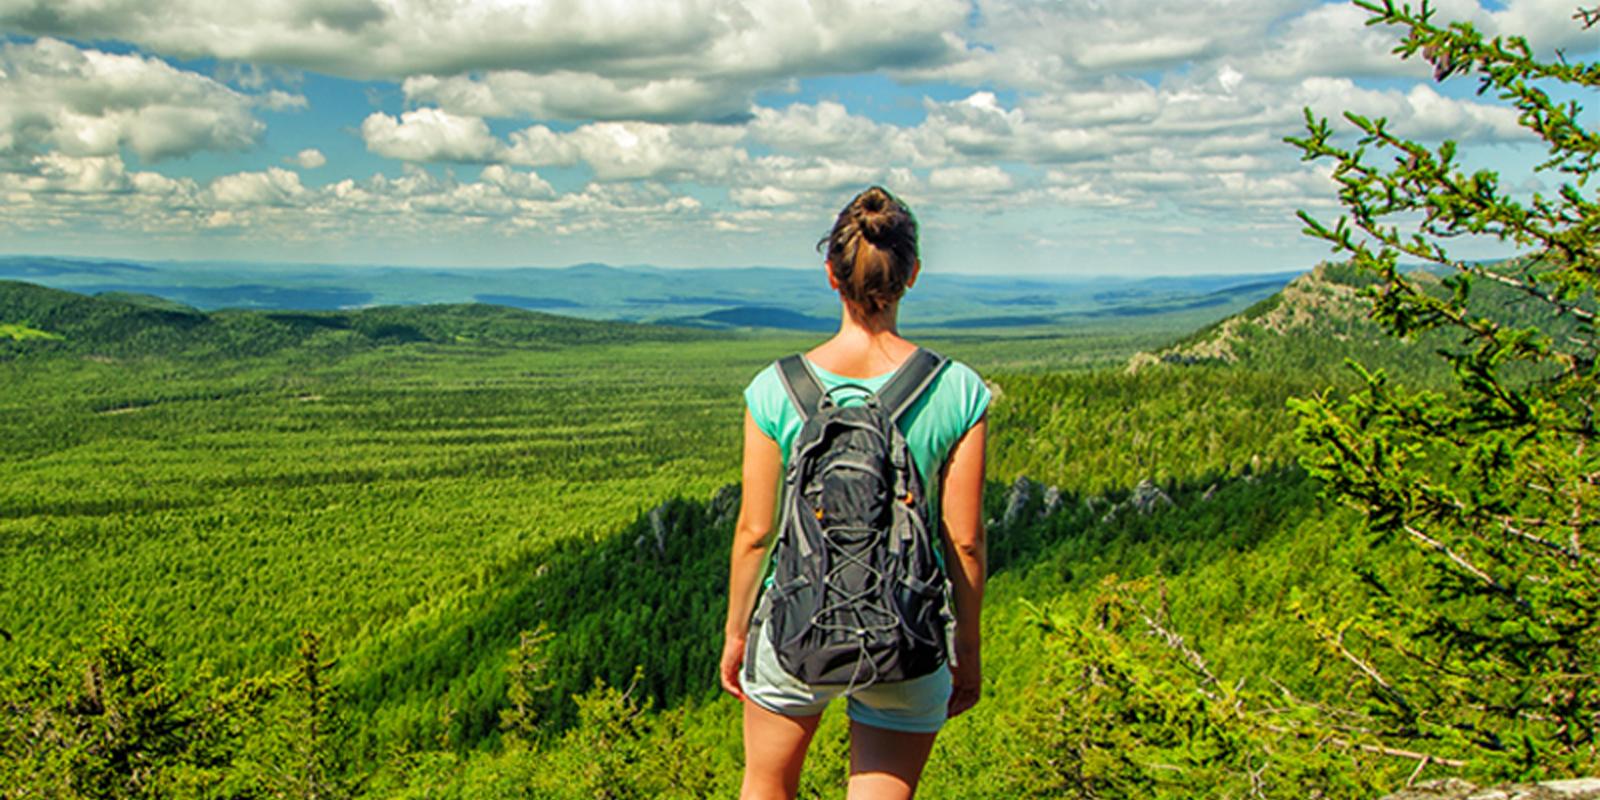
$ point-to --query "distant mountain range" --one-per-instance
(41, 320)
(712, 298)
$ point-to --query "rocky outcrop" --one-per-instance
(658, 528)
(1017, 498)
(725, 505)
(1020, 497)
(1147, 498)
(722, 510)
(1457, 789)
(1052, 502)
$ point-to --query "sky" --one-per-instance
(1066, 137)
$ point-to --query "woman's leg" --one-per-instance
(774, 750)
(885, 764)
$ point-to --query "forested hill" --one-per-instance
(460, 551)
(1320, 320)
(39, 320)
(1295, 323)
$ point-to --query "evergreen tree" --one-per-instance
(529, 681)
(1487, 645)
(315, 734)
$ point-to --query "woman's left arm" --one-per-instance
(751, 536)
(967, 559)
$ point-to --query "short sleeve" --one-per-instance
(765, 398)
(974, 393)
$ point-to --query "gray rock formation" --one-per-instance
(1052, 501)
(1457, 789)
(1016, 500)
(1146, 498)
(658, 528)
(722, 510)
(725, 505)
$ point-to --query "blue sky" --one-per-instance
(1070, 137)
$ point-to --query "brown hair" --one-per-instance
(873, 249)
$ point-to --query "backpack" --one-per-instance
(857, 593)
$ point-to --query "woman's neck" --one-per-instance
(864, 347)
(854, 322)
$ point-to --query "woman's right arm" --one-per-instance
(961, 493)
(751, 535)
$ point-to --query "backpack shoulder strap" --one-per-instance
(804, 390)
(910, 381)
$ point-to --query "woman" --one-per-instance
(871, 261)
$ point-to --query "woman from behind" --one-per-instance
(872, 258)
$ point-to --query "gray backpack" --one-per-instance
(857, 594)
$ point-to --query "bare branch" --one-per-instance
(1367, 669)
(1175, 641)
(1530, 289)
(1379, 749)
(1456, 558)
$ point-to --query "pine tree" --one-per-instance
(529, 682)
(1488, 646)
(315, 733)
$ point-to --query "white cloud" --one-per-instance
(1418, 112)
(618, 151)
(1037, 45)
(53, 172)
(967, 180)
(1143, 53)
(537, 145)
(274, 187)
(1171, 112)
(272, 206)
(766, 196)
(1076, 192)
(55, 191)
(606, 59)
(1546, 24)
(826, 127)
(515, 183)
(309, 158)
(57, 97)
(576, 95)
(430, 134)
(980, 127)
(1113, 100)
(812, 175)
(1327, 40)
(279, 100)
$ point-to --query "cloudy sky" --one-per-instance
(1067, 137)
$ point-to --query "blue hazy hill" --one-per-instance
(724, 297)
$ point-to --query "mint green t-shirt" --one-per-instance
(952, 404)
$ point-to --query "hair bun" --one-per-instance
(875, 213)
(873, 200)
(873, 249)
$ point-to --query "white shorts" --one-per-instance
(919, 705)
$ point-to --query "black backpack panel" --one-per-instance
(857, 595)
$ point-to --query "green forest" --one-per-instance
(1331, 546)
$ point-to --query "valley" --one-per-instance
(419, 489)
